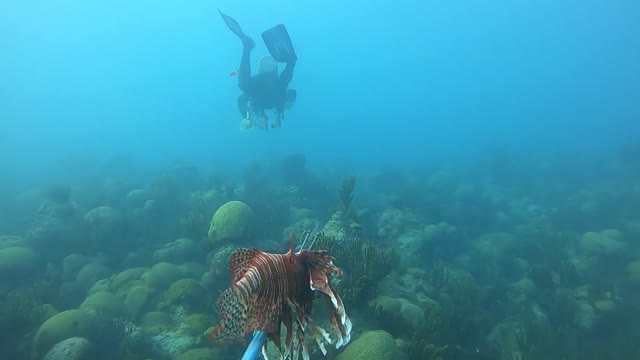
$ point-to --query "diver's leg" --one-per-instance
(243, 105)
(277, 122)
(263, 120)
(244, 73)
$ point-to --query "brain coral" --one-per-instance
(603, 242)
(75, 348)
(232, 221)
(186, 291)
(64, 325)
(379, 345)
(17, 261)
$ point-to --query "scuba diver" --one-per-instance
(267, 90)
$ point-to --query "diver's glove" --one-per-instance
(246, 124)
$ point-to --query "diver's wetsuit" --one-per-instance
(264, 91)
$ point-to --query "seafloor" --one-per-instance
(506, 258)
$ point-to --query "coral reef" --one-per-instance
(75, 348)
(372, 345)
(187, 292)
(365, 266)
(64, 325)
(505, 260)
(233, 221)
(21, 311)
(346, 194)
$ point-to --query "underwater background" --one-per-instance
(474, 168)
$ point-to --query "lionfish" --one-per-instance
(268, 290)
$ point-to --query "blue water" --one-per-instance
(379, 82)
(497, 139)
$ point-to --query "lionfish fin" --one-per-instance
(291, 249)
(240, 262)
(302, 345)
(348, 327)
(288, 324)
(233, 310)
(320, 336)
(325, 335)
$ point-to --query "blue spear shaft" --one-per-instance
(253, 350)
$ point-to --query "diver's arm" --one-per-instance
(287, 73)
(244, 73)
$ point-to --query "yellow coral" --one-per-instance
(201, 354)
(186, 291)
(195, 325)
(62, 326)
(232, 221)
(633, 269)
(377, 344)
(603, 242)
(104, 304)
(604, 305)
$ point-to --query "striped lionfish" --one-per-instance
(268, 290)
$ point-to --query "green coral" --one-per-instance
(393, 223)
(62, 326)
(156, 322)
(379, 345)
(104, 305)
(603, 242)
(336, 227)
(187, 292)
(195, 325)
(136, 299)
(438, 232)
(604, 305)
(201, 354)
(161, 275)
(17, 261)
(232, 221)
(633, 270)
(12, 241)
(126, 276)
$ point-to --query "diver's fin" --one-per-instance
(279, 44)
(233, 25)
